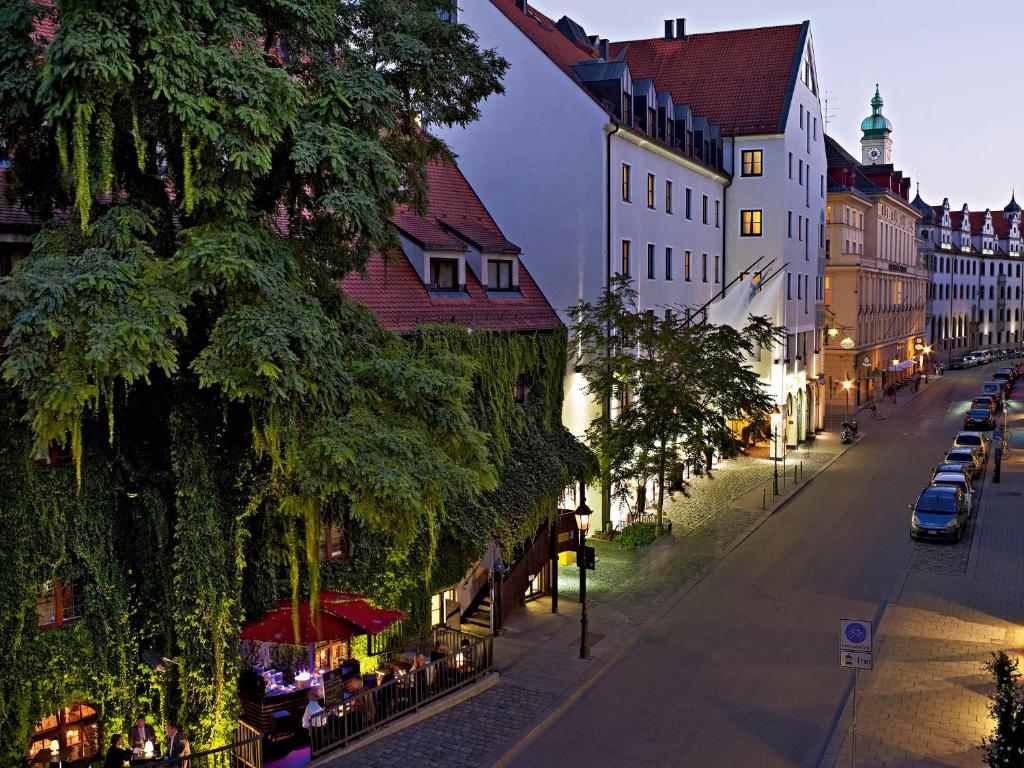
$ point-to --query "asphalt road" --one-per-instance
(745, 669)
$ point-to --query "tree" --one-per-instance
(676, 382)
(206, 171)
(1005, 748)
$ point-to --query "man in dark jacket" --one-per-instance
(117, 755)
(141, 733)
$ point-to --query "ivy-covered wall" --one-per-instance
(175, 547)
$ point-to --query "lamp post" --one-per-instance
(582, 523)
(776, 413)
(846, 385)
(924, 352)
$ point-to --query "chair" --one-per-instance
(369, 682)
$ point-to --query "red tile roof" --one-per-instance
(541, 30)
(739, 79)
(976, 220)
(393, 290)
(13, 216)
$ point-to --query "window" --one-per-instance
(752, 162)
(521, 388)
(717, 260)
(59, 602)
(499, 275)
(704, 267)
(668, 197)
(444, 274)
(790, 165)
(689, 203)
(686, 266)
(800, 172)
(668, 263)
(789, 223)
(704, 208)
(625, 259)
(800, 227)
(718, 213)
(750, 223)
(650, 262)
(801, 115)
(650, 190)
(626, 172)
(75, 728)
(443, 606)
(335, 543)
(789, 295)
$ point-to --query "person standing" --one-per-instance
(141, 733)
(175, 741)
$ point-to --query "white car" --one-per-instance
(967, 439)
(957, 480)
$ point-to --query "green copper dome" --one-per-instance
(877, 124)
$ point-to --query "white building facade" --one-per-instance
(594, 173)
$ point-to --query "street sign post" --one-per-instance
(855, 653)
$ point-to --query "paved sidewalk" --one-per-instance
(537, 656)
(925, 703)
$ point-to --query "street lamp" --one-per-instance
(926, 351)
(846, 385)
(776, 413)
(582, 523)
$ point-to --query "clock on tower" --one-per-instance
(876, 142)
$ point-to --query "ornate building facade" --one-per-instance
(875, 281)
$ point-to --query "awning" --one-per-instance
(371, 620)
(275, 626)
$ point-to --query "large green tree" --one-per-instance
(676, 382)
(206, 171)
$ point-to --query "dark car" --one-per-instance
(986, 401)
(957, 364)
(1006, 375)
(940, 513)
(979, 419)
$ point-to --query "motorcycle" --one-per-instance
(852, 426)
(846, 436)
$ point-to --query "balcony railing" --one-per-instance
(246, 751)
(363, 712)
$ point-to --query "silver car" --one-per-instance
(967, 439)
(970, 457)
(957, 480)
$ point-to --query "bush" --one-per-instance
(1005, 748)
(636, 536)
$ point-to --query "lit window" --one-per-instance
(650, 190)
(668, 197)
(752, 162)
(626, 170)
(686, 265)
(750, 223)
(76, 729)
(59, 602)
(625, 258)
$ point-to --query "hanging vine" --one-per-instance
(139, 142)
(83, 194)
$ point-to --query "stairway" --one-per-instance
(479, 618)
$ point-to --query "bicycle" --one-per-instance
(875, 413)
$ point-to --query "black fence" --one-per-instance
(368, 709)
(245, 752)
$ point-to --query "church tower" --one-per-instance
(876, 143)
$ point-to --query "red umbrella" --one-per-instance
(275, 626)
(359, 612)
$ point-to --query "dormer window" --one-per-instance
(499, 275)
(444, 274)
(652, 122)
(627, 107)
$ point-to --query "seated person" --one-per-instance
(313, 716)
(141, 733)
(118, 754)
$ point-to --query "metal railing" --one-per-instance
(246, 751)
(369, 709)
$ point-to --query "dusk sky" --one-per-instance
(946, 71)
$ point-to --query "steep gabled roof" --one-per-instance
(740, 79)
(393, 290)
(544, 33)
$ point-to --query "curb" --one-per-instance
(643, 629)
(432, 709)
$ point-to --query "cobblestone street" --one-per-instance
(925, 702)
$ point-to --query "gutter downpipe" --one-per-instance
(606, 487)
(725, 212)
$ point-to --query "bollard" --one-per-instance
(764, 498)
(801, 469)
(795, 481)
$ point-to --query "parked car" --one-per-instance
(995, 389)
(969, 457)
(940, 513)
(970, 439)
(957, 480)
(983, 356)
(997, 401)
(1008, 375)
(984, 401)
(979, 419)
(956, 469)
(957, 364)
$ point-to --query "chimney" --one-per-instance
(670, 29)
(602, 48)
(680, 29)
(521, 5)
